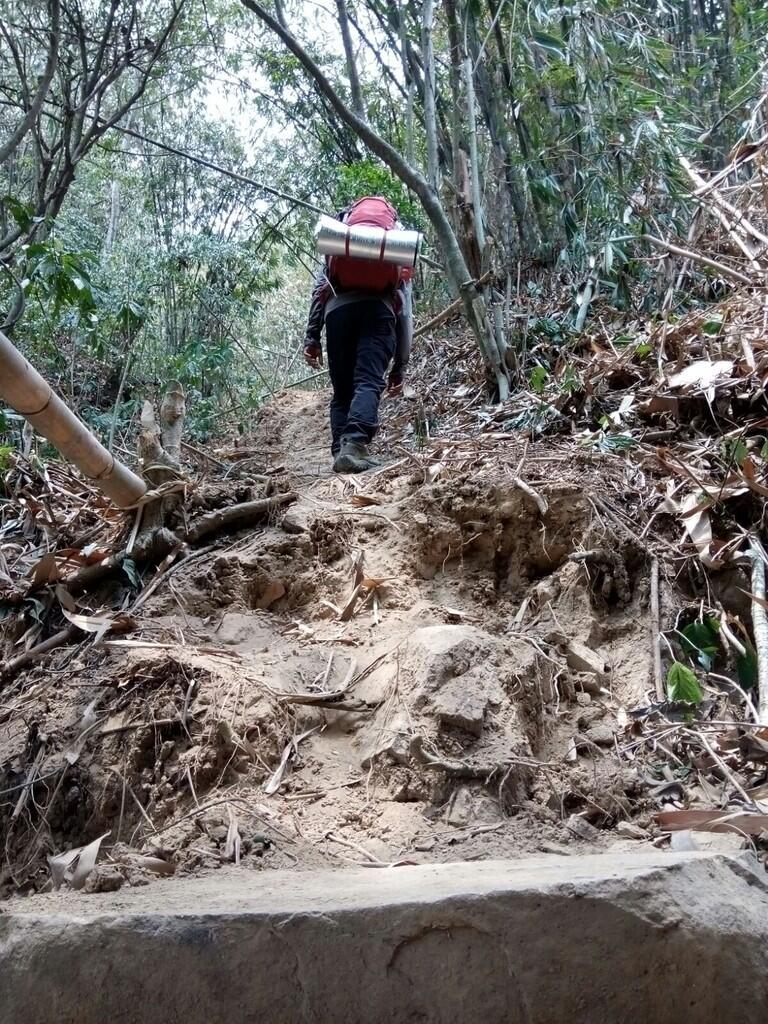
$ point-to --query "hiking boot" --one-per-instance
(353, 458)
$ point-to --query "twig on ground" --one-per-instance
(533, 495)
(12, 666)
(658, 677)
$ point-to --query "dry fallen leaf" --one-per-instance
(699, 528)
(156, 865)
(74, 866)
(117, 622)
(232, 845)
(702, 373)
(363, 500)
(713, 821)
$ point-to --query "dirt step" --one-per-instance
(657, 937)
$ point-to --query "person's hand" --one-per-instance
(313, 354)
(395, 384)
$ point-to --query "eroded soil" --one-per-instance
(487, 677)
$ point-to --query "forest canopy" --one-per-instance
(163, 164)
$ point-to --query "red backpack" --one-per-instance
(351, 274)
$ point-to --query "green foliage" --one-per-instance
(746, 668)
(538, 379)
(700, 640)
(61, 277)
(370, 178)
(682, 684)
(582, 118)
(570, 381)
(735, 451)
(129, 568)
(604, 441)
(547, 328)
(713, 326)
(20, 212)
(550, 43)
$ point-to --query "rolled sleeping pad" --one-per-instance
(363, 242)
(22, 387)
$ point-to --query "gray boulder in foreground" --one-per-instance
(656, 937)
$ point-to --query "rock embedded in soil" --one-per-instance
(628, 830)
(104, 878)
(582, 829)
(583, 659)
(600, 734)
(650, 936)
(469, 806)
(462, 705)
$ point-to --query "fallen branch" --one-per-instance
(237, 516)
(698, 258)
(455, 768)
(29, 782)
(760, 626)
(319, 701)
(12, 666)
(448, 312)
(326, 698)
(658, 677)
(703, 187)
(719, 208)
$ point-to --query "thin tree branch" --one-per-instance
(17, 136)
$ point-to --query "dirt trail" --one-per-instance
(486, 678)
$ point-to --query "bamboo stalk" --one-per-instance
(760, 626)
(22, 387)
(658, 675)
(477, 199)
(696, 257)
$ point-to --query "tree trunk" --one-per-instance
(410, 85)
(354, 79)
(477, 198)
(430, 116)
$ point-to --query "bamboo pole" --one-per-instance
(760, 626)
(474, 160)
(22, 387)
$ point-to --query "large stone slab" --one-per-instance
(647, 937)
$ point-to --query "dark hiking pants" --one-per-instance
(360, 341)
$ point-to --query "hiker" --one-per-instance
(367, 308)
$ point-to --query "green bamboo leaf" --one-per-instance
(701, 640)
(683, 685)
(553, 44)
(539, 378)
(746, 669)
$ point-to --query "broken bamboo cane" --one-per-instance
(760, 626)
(22, 387)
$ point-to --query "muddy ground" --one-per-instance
(488, 678)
